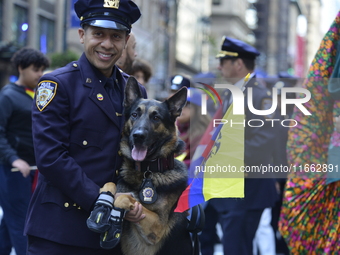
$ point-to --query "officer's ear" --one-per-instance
(239, 63)
(81, 33)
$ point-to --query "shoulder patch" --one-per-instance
(45, 93)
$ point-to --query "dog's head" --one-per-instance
(150, 131)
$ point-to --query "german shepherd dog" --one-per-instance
(152, 175)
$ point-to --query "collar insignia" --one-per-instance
(100, 97)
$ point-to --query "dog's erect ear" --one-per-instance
(132, 91)
(177, 101)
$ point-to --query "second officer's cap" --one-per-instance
(179, 81)
(233, 48)
(114, 14)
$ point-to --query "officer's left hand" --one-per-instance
(136, 214)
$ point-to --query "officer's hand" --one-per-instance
(23, 167)
(134, 215)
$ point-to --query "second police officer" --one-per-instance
(239, 218)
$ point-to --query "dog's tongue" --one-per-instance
(138, 154)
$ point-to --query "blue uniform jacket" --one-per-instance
(76, 137)
(260, 193)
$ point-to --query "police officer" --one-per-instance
(239, 218)
(77, 122)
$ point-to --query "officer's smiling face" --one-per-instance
(103, 46)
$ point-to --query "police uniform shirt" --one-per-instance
(113, 87)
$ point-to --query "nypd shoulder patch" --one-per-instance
(45, 93)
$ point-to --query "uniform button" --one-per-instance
(66, 204)
(117, 172)
(120, 153)
(84, 142)
(75, 65)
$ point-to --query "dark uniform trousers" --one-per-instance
(40, 246)
(239, 225)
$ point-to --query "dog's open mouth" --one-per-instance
(138, 153)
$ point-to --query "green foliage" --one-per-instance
(63, 58)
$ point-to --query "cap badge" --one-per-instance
(111, 4)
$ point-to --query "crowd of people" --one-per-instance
(60, 134)
(17, 178)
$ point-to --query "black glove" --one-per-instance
(111, 237)
(100, 215)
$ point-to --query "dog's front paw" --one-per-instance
(109, 186)
(125, 202)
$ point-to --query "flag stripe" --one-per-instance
(203, 186)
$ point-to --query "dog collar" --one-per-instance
(157, 165)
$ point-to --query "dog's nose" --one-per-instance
(139, 134)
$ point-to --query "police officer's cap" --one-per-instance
(114, 14)
(179, 81)
(194, 96)
(233, 48)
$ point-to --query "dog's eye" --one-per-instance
(134, 115)
(156, 118)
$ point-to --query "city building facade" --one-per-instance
(40, 24)
(176, 36)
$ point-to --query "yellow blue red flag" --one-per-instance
(214, 170)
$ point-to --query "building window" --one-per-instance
(47, 5)
(216, 2)
(20, 26)
(46, 35)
